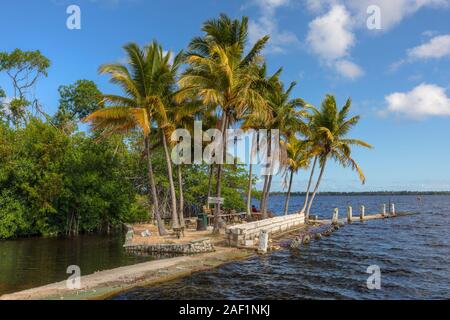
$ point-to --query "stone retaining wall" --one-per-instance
(193, 247)
(246, 234)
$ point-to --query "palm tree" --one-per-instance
(183, 116)
(257, 121)
(298, 157)
(330, 127)
(148, 82)
(286, 116)
(222, 77)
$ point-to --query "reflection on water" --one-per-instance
(27, 263)
(412, 251)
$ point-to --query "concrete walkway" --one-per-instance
(104, 284)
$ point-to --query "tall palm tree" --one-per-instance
(148, 82)
(221, 75)
(257, 121)
(287, 116)
(298, 157)
(330, 127)
(183, 116)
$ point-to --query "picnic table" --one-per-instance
(228, 217)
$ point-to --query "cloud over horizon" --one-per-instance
(423, 101)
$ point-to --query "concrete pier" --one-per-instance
(245, 234)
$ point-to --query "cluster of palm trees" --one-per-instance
(224, 85)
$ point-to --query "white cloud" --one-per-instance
(5, 105)
(437, 47)
(330, 37)
(392, 11)
(267, 24)
(422, 101)
(349, 69)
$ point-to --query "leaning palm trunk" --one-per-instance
(288, 196)
(173, 197)
(152, 194)
(181, 197)
(263, 194)
(309, 185)
(219, 174)
(316, 188)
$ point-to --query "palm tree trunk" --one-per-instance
(322, 169)
(249, 191)
(288, 196)
(309, 185)
(152, 193)
(263, 194)
(211, 172)
(173, 196)
(219, 174)
(181, 197)
(266, 199)
(250, 185)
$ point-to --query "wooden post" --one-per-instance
(363, 212)
(335, 218)
(349, 214)
(263, 241)
(383, 210)
(392, 209)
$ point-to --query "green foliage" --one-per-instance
(24, 69)
(56, 184)
(77, 101)
(19, 59)
(235, 179)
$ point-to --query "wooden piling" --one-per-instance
(349, 214)
(383, 210)
(393, 209)
(263, 241)
(363, 212)
(335, 218)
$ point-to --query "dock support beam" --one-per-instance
(349, 214)
(383, 210)
(363, 212)
(393, 209)
(263, 241)
(335, 218)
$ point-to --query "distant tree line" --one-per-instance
(372, 193)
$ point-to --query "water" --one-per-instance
(413, 253)
(28, 263)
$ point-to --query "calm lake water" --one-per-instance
(28, 263)
(413, 253)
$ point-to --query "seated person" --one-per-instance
(254, 210)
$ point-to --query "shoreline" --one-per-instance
(105, 284)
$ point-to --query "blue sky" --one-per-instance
(398, 77)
